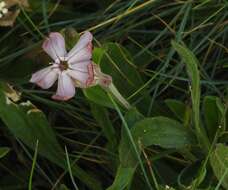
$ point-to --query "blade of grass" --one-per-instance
(70, 171)
(33, 165)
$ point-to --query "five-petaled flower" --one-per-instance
(71, 69)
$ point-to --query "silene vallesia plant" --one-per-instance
(72, 69)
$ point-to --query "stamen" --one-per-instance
(63, 65)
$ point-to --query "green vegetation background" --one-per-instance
(167, 58)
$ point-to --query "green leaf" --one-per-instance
(4, 151)
(123, 178)
(132, 117)
(101, 116)
(128, 163)
(193, 72)
(98, 95)
(125, 148)
(192, 69)
(29, 125)
(162, 131)
(98, 54)
(118, 63)
(211, 115)
(177, 107)
(219, 164)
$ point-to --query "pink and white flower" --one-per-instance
(71, 69)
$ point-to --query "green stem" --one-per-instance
(33, 166)
(118, 96)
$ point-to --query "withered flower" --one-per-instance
(9, 10)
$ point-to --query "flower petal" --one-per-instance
(83, 42)
(81, 66)
(66, 89)
(45, 78)
(82, 50)
(80, 76)
(84, 54)
(82, 72)
(54, 46)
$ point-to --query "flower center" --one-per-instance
(63, 65)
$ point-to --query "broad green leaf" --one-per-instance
(133, 116)
(4, 151)
(98, 54)
(29, 125)
(123, 178)
(219, 163)
(98, 95)
(192, 69)
(117, 63)
(222, 111)
(162, 131)
(211, 115)
(193, 72)
(177, 107)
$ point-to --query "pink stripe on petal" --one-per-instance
(90, 47)
(90, 79)
(84, 40)
(66, 89)
(54, 46)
